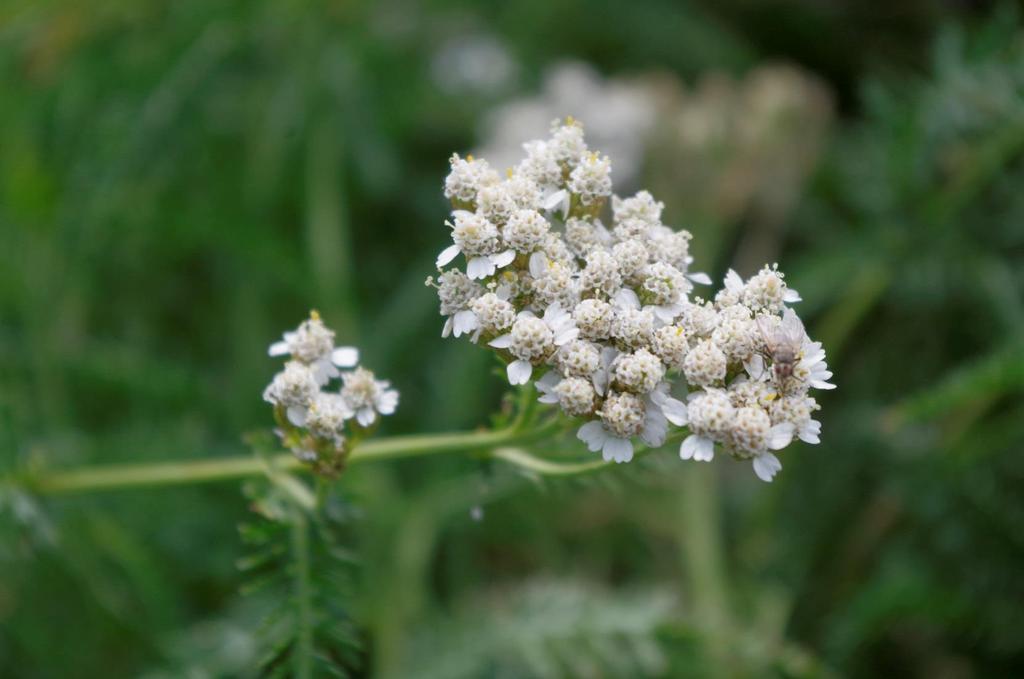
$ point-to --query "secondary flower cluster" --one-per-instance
(317, 422)
(602, 318)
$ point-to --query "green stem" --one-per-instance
(501, 444)
(703, 553)
(107, 477)
(531, 463)
(303, 657)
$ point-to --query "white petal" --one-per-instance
(548, 382)
(809, 432)
(619, 450)
(345, 357)
(387, 402)
(554, 200)
(688, 447)
(766, 466)
(297, 415)
(465, 321)
(323, 371)
(479, 267)
(667, 312)
(554, 313)
(808, 436)
(705, 450)
(502, 342)
(821, 384)
(566, 336)
(675, 411)
(755, 367)
(792, 327)
(593, 434)
(780, 436)
(700, 278)
(447, 255)
(791, 296)
(278, 349)
(626, 299)
(519, 372)
(733, 281)
(812, 354)
(365, 416)
(538, 264)
(503, 258)
(447, 329)
(655, 427)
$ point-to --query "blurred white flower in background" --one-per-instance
(619, 113)
(477, 64)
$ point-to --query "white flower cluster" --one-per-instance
(602, 316)
(316, 422)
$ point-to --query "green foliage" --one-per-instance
(297, 559)
(547, 629)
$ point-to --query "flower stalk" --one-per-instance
(502, 444)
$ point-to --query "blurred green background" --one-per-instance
(181, 181)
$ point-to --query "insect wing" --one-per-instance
(769, 333)
(792, 330)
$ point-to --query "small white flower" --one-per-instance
(467, 177)
(540, 165)
(567, 144)
(710, 414)
(594, 319)
(699, 319)
(624, 416)
(671, 345)
(736, 334)
(490, 313)
(496, 203)
(526, 230)
(456, 292)
(312, 343)
(368, 396)
(797, 410)
(293, 388)
(812, 368)
(533, 339)
(574, 395)
(705, 365)
(640, 206)
(751, 436)
(479, 241)
(591, 179)
(583, 236)
(667, 287)
(631, 257)
(579, 358)
(638, 372)
(601, 273)
(326, 416)
(553, 281)
(767, 291)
